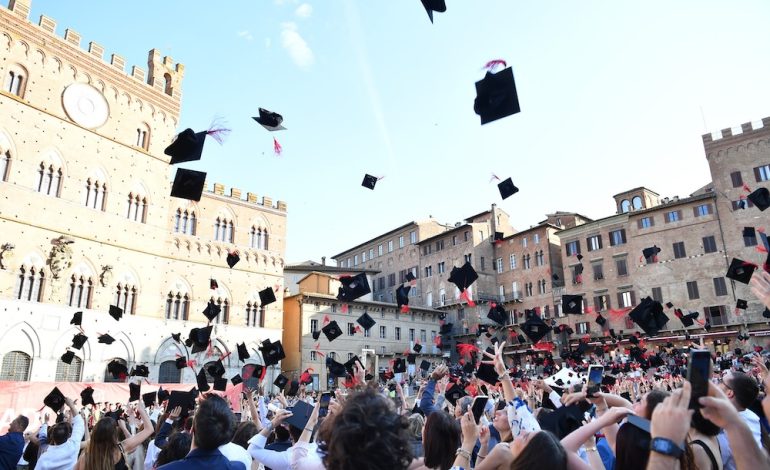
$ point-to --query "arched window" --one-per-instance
(137, 208)
(143, 137)
(168, 373)
(29, 284)
(96, 192)
(254, 314)
(16, 366)
(81, 291)
(108, 377)
(5, 165)
(185, 222)
(177, 306)
(69, 372)
(125, 298)
(637, 202)
(224, 230)
(625, 206)
(15, 81)
(49, 180)
(253, 237)
(167, 87)
(224, 314)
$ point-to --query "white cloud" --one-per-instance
(245, 35)
(304, 10)
(296, 45)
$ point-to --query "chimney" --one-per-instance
(493, 223)
(323, 260)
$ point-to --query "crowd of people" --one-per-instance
(647, 413)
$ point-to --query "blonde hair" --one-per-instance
(102, 446)
(416, 423)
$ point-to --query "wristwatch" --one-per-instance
(667, 447)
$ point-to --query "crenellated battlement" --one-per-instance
(726, 135)
(251, 198)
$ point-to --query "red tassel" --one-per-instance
(655, 259)
(746, 188)
(761, 249)
(217, 131)
(761, 229)
(277, 147)
(494, 177)
(405, 309)
(262, 375)
(640, 259)
(543, 346)
(465, 296)
(357, 329)
(344, 308)
(225, 356)
(326, 320)
(589, 309)
(579, 278)
(465, 350)
(492, 64)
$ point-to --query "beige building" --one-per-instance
(86, 220)
(294, 272)
(394, 333)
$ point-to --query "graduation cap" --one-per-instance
(446, 329)
(188, 184)
(410, 277)
(425, 365)
(650, 253)
(487, 373)
(669, 305)
(199, 338)
(243, 353)
(181, 362)
(212, 310)
(213, 284)
(316, 334)
(496, 96)
(220, 384)
(649, 316)
(105, 339)
(266, 296)
(149, 398)
(335, 368)
(399, 366)
(353, 287)
(187, 147)
(203, 384)
(402, 295)
(67, 357)
(87, 396)
(332, 331)
(563, 420)
(217, 369)
(272, 353)
(687, 320)
(349, 366)
(54, 400)
(134, 391)
(411, 358)
(741, 304)
(740, 270)
(116, 312)
(281, 381)
(497, 314)
(269, 120)
(301, 412)
(232, 259)
(366, 321)
(236, 379)
(761, 198)
(463, 276)
(434, 5)
(507, 189)
(766, 313)
(140, 371)
(499, 236)
(417, 347)
(77, 319)
(117, 369)
(572, 304)
(601, 320)
(79, 340)
(369, 181)
(185, 400)
(535, 329)
(177, 337)
(253, 370)
(454, 393)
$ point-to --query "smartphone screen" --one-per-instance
(323, 409)
(595, 374)
(698, 373)
(479, 403)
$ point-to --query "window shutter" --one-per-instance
(600, 240)
(679, 213)
(652, 221)
(609, 302)
(639, 223)
(710, 208)
(756, 175)
(695, 211)
(633, 298)
(597, 304)
(737, 179)
(623, 235)
(620, 299)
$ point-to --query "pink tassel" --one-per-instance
(218, 131)
(746, 188)
(344, 308)
(277, 147)
(465, 296)
(492, 64)
(494, 177)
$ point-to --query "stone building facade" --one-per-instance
(86, 220)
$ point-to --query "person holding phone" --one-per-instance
(741, 390)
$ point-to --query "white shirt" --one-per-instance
(235, 453)
(64, 456)
(752, 420)
(283, 460)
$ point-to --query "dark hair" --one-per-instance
(744, 387)
(654, 398)
(632, 447)
(704, 426)
(243, 432)
(442, 438)
(177, 447)
(542, 451)
(60, 432)
(22, 422)
(367, 433)
(295, 433)
(281, 433)
(213, 424)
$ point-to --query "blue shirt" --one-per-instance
(11, 449)
(605, 453)
(202, 460)
(426, 403)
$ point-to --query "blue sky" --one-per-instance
(614, 95)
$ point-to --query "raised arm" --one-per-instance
(576, 438)
(137, 439)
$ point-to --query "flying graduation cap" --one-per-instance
(497, 314)
(212, 310)
(67, 357)
(761, 198)
(572, 304)
(187, 147)
(332, 331)
(77, 319)
(266, 296)
(243, 353)
(649, 316)
(496, 96)
(650, 254)
(369, 181)
(366, 321)
(353, 287)
(270, 120)
(87, 396)
(402, 296)
(740, 270)
(272, 353)
(535, 328)
(116, 312)
(188, 184)
(507, 188)
(232, 259)
(79, 340)
(463, 276)
(433, 5)
(54, 400)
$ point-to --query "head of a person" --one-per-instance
(282, 434)
(416, 424)
(440, 439)
(366, 433)
(243, 432)
(213, 424)
(632, 447)
(644, 407)
(59, 433)
(740, 388)
(295, 433)
(19, 424)
(703, 425)
(462, 406)
(540, 449)
(177, 447)
(501, 423)
(102, 445)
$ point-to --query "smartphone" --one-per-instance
(323, 409)
(698, 373)
(479, 404)
(595, 375)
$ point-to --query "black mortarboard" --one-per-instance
(411, 358)
(578, 268)
(572, 304)
(446, 329)
(454, 393)
(741, 304)
(134, 391)
(417, 347)
(507, 188)
(499, 236)
(335, 368)
(266, 296)
(761, 198)
(563, 420)
(199, 338)
(272, 353)
(332, 331)
(105, 339)
(54, 400)
(67, 357)
(366, 321)
(349, 365)
(281, 381)
(369, 181)
(243, 353)
(521, 338)
(187, 147)
(353, 287)
(649, 316)
(217, 369)
(650, 253)
(442, 316)
(535, 329)
(140, 371)
(707, 326)
(740, 270)
(425, 365)
(186, 400)
(116, 312)
(766, 312)
(399, 366)
(253, 370)
(232, 259)
(410, 277)
(117, 368)
(669, 305)
(497, 314)
(163, 395)
(203, 384)
(463, 276)
(79, 340)
(188, 184)
(212, 310)
(220, 384)
(300, 414)
(177, 337)
(496, 96)
(149, 398)
(181, 362)
(316, 334)
(633, 339)
(77, 319)
(269, 120)
(402, 295)
(601, 320)
(87, 396)
(237, 379)
(486, 372)
(434, 5)
(469, 367)
(213, 284)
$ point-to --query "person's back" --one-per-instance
(12, 443)
(63, 445)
